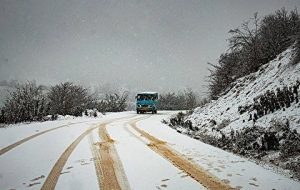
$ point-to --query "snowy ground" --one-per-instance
(28, 165)
(239, 172)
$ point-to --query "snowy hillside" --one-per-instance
(241, 122)
(277, 73)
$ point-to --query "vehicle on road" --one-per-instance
(146, 102)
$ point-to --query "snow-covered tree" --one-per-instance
(115, 102)
(26, 103)
(68, 99)
(181, 100)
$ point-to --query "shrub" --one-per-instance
(114, 102)
(68, 99)
(26, 103)
(181, 100)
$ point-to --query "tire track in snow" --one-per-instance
(52, 178)
(14, 145)
(112, 174)
(109, 169)
(192, 169)
(96, 158)
(54, 174)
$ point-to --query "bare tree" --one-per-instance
(168, 101)
(278, 31)
(190, 99)
(255, 43)
(246, 41)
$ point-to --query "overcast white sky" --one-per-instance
(147, 45)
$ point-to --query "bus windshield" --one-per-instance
(146, 97)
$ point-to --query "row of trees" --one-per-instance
(182, 100)
(255, 43)
(31, 102)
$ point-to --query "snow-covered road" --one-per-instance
(122, 151)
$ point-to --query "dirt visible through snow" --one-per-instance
(192, 169)
(110, 172)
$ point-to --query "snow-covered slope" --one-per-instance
(272, 136)
(276, 73)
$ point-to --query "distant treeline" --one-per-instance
(31, 102)
(181, 100)
(9, 83)
(255, 43)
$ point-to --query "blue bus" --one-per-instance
(146, 102)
